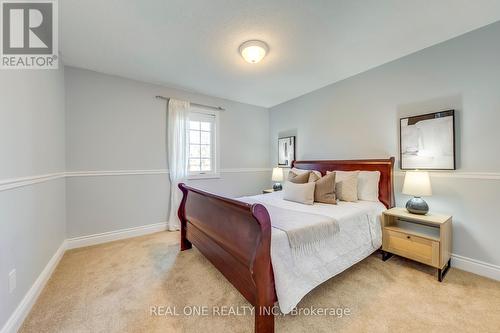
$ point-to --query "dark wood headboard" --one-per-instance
(385, 166)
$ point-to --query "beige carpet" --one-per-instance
(111, 288)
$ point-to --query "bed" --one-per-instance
(236, 237)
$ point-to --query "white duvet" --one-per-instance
(359, 235)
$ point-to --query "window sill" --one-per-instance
(207, 176)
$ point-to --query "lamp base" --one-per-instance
(277, 187)
(417, 205)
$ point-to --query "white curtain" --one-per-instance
(178, 112)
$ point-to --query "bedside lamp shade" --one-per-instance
(417, 183)
(277, 175)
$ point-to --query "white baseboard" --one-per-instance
(23, 309)
(475, 266)
(17, 318)
(73, 243)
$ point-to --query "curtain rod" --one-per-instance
(218, 108)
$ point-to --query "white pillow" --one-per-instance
(302, 193)
(368, 185)
(301, 171)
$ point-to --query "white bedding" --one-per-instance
(360, 235)
(303, 230)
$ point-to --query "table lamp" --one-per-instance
(277, 177)
(418, 184)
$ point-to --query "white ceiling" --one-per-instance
(193, 44)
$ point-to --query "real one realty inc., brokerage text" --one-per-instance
(228, 310)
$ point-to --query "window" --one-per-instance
(202, 145)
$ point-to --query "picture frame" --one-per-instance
(427, 141)
(286, 151)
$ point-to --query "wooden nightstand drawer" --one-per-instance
(413, 247)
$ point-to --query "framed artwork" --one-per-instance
(286, 151)
(427, 142)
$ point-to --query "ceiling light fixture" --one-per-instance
(253, 51)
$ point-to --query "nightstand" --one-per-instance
(423, 238)
(269, 190)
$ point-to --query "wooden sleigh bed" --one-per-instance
(236, 236)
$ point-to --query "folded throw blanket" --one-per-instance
(306, 232)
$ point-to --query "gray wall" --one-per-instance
(115, 124)
(32, 217)
(358, 118)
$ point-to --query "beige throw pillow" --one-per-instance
(313, 177)
(346, 185)
(324, 191)
(368, 185)
(301, 171)
(298, 178)
(301, 193)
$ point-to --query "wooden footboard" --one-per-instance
(236, 238)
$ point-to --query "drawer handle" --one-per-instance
(408, 237)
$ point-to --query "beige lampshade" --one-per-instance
(417, 183)
(277, 175)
